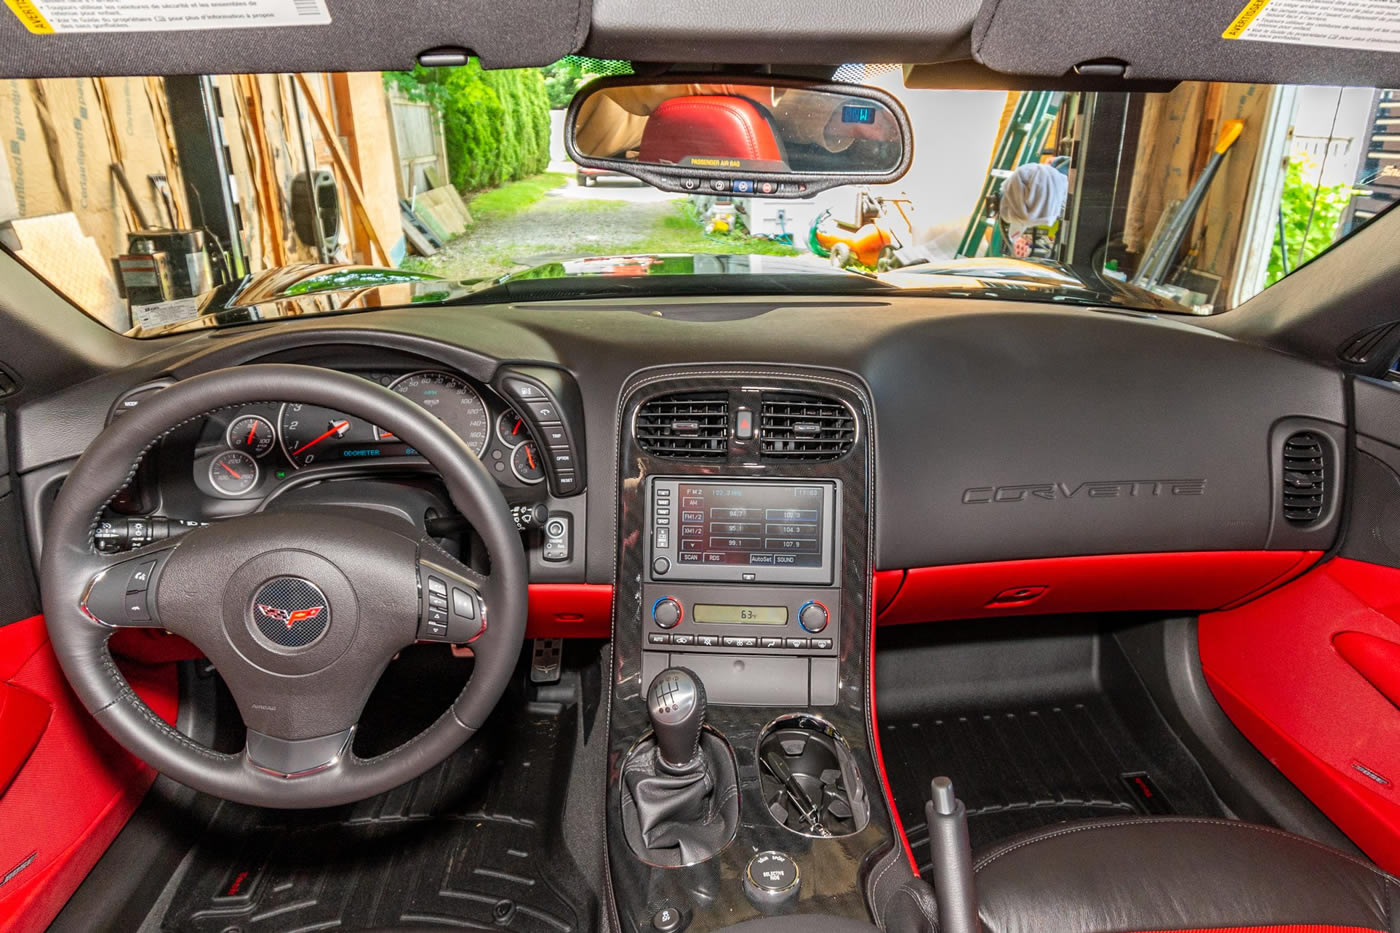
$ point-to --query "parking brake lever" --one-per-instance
(952, 860)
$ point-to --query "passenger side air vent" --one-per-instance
(1361, 348)
(805, 427)
(685, 427)
(1304, 477)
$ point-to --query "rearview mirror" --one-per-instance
(744, 135)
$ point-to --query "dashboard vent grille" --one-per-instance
(805, 427)
(1304, 477)
(685, 427)
(1362, 347)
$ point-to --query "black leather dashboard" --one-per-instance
(1003, 430)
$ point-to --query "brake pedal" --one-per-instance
(545, 656)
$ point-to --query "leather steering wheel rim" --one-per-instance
(71, 561)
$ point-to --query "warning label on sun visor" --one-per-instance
(47, 17)
(1373, 25)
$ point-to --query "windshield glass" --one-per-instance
(154, 203)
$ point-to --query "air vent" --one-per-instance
(685, 427)
(1304, 477)
(1361, 348)
(805, 427)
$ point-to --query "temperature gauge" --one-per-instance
(525, 461)
(233, 473)
(252, 434)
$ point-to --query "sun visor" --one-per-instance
(1356, 43)
(780, 32)
(77, 38)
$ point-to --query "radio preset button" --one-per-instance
(667, 612)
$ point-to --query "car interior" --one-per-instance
(602, 600)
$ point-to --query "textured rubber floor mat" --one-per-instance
(472, 843)
(1021, 769)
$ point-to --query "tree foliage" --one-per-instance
(563, 78)
(1307, 229)
(495, 123)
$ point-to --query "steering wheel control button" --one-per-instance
(667, 920)
(291, 612)
(771, 878)
(456, 618)
(667, 612)
(813, 616)
(525, 391)
(121, 595)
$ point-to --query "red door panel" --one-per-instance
(23, 717)
(77, 787)
(1275, 669)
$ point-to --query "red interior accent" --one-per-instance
(1375, 659)
(23, 717)
(1185, 581)
(887, 584)
(77, 788)
(569, 610)
(708, 125)
(875, 740)
(1274, 668)
(1279, 928)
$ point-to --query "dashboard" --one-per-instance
(1001, 431)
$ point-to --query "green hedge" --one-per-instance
(495, 123)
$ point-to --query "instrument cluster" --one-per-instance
(256, 447)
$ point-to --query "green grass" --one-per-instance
(680, 231)
(513, 197)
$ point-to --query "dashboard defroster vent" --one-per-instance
(805, 427)
(1304, 478)
(685, 427)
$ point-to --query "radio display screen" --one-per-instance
(749, 525)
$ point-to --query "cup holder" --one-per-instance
(809, 780)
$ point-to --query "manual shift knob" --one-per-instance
(676, 705)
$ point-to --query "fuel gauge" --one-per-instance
(233, 473)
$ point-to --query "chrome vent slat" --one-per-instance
(684, 427)
(805, 427)
(1304, 478)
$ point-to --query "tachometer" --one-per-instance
(452, 400)
(308, 432)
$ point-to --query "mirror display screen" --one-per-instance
(740, 615)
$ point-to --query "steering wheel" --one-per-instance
(300, 611)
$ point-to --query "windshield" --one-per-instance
(157, 202)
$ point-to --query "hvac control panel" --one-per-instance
(740, 588)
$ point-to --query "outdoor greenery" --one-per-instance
(495, 123)
(563, 78)
(1302, 219)
(508, 199)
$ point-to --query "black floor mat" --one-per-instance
(472, 843)
(1093, 746)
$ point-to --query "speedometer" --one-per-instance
(452, 400)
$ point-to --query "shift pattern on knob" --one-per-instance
(676, 706)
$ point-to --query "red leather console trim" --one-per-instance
(875, 746)
(23, 717)
(1274, 667)
(1179, 581)
(569, 610)
(77, 788)
(708, 125)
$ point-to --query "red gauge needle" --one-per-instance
(251, 433)
(334, 429)
(231, 471)
(516, 430)
(530, 457)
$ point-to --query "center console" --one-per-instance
(742, 643)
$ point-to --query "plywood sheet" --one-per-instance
(56, 248)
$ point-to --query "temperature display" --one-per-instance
(740, 615)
